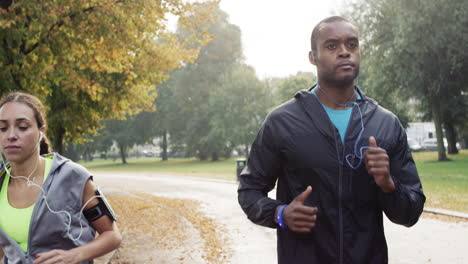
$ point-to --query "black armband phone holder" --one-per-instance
(102, 208)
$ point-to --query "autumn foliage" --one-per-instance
(167, 230)
(90, 60)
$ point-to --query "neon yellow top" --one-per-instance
(15, 221)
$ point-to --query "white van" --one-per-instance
(430, 144)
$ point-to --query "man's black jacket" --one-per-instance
(299, 146)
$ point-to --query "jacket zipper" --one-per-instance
(340, 189)
(31, 223)
(340, 212)
(342, 164)
(37, 204)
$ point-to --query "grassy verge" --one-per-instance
(445, 183)
(225, 169)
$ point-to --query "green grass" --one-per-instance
(445, 183)
(225, 169)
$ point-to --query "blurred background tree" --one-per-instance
(117, 67)
(93, 60)
(416, 50)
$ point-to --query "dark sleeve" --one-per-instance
(259, 177)
(404, 205)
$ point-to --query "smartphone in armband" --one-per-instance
(102, 208)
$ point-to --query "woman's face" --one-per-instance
(19, 134)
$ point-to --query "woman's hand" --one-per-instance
(109, 238)
(57, 256)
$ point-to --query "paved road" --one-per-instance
(429, 241)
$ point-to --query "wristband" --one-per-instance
(279, 217)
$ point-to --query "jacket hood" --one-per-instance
(57, 161)
(306, 93)
(313, 108)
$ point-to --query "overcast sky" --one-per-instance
(276, 33)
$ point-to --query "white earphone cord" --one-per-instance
(44, 197)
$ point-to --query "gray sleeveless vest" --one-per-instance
(63, 188)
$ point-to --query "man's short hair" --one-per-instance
(315, 32)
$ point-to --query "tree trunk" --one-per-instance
(57, 141)
(164, 146)
(202, 155)
(464, 141)
(214, 156)
(85, 155)
(436, 114)
(90, 154)
(122, 149)
(451, 134)
(70, 152)
(246, 151)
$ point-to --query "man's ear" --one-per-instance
(312, 58)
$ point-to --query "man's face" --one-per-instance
(338, 56)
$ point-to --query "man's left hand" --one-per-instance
(378, 165)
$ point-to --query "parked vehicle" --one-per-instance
(414, 145)
(430, 144)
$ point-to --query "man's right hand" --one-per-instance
(298, 217)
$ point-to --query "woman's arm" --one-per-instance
(109, 237)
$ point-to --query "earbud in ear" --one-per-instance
(313, 56)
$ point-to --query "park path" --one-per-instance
(429, 241)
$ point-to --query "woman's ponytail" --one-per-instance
(44, 147)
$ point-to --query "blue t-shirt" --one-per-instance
(339, 118)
